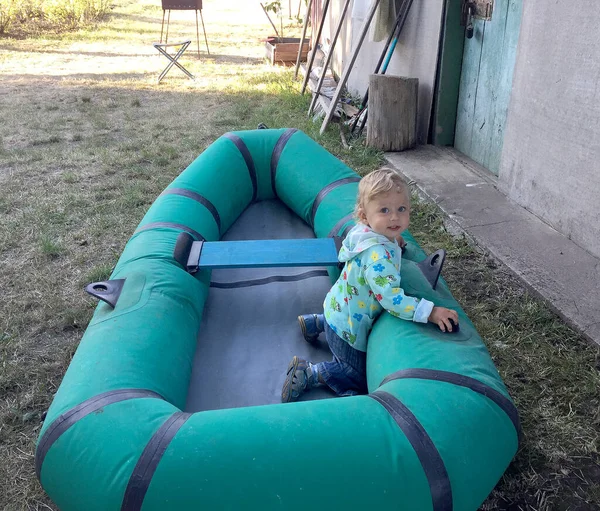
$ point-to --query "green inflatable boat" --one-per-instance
(171, 400)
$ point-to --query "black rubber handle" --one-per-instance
(108, 290)
(183, 245)
(455, 327)
(432, 266)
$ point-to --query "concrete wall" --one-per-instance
(551, 154)
(415, 55)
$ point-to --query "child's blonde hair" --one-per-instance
(379, 181)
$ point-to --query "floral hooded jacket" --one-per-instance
(369, 283)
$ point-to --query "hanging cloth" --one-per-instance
(383, 23)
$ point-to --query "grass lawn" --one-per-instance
(88, 140)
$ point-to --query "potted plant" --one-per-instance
(280, 49)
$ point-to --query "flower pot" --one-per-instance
(284, 50)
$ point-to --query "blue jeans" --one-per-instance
(346, 374)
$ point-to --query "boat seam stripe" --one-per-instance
(69, 418)
(321, 195)
(198, 198)
(277, 150)
(171, 225)
(475, 385)
(346, 231)
(339, 225)
(243, 149)
(425, 449)
(268, 280)
(145, 468)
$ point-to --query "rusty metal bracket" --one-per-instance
(479, 9)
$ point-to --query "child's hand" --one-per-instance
(401, 242)
(442, 316)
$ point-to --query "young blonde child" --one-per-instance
(368, 284)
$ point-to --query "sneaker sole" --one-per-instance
(308, 338)
(286, 390)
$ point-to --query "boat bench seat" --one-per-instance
(195, 255)
(213, 255)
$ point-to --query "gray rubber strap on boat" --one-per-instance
(268, 280)
(426, 451)
(171, 225)
(500, 399)
(243, 149)
(346, 230)
(198, 198)
(69, 418)
(339, 225)
(321, 195)
(277, 150)
(146, 466)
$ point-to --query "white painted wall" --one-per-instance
(551, 154)
(415, 55)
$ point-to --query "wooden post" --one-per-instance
(393, 103)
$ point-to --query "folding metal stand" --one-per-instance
(173, 58)
(183, 5)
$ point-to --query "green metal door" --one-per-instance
(486, 83)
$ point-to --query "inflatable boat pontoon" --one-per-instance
(160, 408)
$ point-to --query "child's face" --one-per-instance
(387, 213)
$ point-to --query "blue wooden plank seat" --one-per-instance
(195, 255)
(212, 255)
(263, 253)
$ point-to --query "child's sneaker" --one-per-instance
(311, 325)
(297, 380)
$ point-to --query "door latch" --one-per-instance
(469, 26)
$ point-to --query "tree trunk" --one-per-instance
(392, 111)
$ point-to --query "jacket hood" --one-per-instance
(359, 239)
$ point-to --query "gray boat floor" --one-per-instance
(249, 332)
